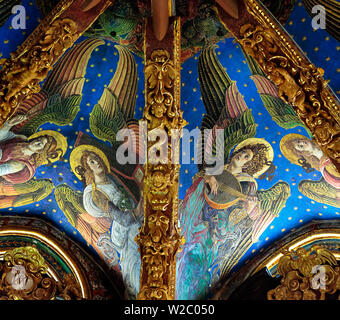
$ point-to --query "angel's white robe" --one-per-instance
(123, 232)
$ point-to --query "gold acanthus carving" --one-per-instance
(161, 109)
(159, 238)
(24, 276)
(300, 83)
(307, 275)
(21, 73)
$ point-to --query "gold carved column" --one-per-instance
(159, 237)
(21, 74)
(300, 83)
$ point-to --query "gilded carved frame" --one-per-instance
(298, 80)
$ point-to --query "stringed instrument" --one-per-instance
(228, 193)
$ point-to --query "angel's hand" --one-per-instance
(16, 120)
(213, 184)
(250, 203)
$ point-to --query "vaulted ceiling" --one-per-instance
(310, 196)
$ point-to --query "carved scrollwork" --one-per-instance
(159, 239)
(21, 73)
(300, 83)
(160, 74)
(24, 276)
(307, 275)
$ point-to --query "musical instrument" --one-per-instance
(228, 193)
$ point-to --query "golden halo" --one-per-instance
(286, 151)
(77, 153)
(59, 138)
(269, 152)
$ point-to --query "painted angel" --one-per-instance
(218, 233)
(23, 147)
(19, 158)
(301, 151)
(108, 212)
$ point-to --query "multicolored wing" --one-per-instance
(61, 94)
(320, 191)
(70, 202)
(225, 106)
(6, 9)
(272, 201)
(21, 194)
(116, 107)
(282, 113)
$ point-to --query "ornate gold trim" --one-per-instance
(21, 74)
(30, 63)
(24, 276)
(159, 237)
(302, 241)
(300, 83)
(307, 275)
(40, 236)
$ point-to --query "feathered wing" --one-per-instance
(116, 107)
(70, 202)
(6, 9)
(225, 106)
(320, 191)
(21, 194)
(59, 100)
(271, 202)
(282, 113)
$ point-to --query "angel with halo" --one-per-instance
(222, 215)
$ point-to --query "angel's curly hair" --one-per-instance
(85, 171)
(258, 161)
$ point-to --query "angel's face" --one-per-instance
(303, 145)
(242, 158)
(95, 164)
(18, 278)
(38, 144)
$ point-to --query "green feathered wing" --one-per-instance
(115, 109)
(320, 191)
(270, 203)
(21, 194)
(225, 106)
(282, 113)
(59, 100)
(70, 202)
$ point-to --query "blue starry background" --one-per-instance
(321, 48)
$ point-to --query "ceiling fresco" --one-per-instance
(97, 89)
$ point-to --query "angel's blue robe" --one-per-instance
(198, 222)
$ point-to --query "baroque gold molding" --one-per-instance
(30, 63)
(24, 276)
(308, 239)
(40, 236)
(300, 83)
(301, 280)
(21, 74)
(159, 237)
